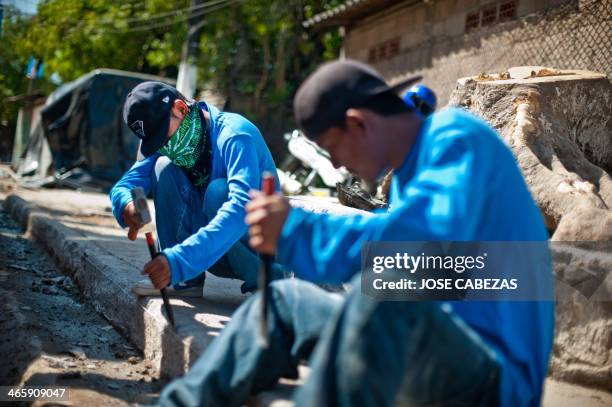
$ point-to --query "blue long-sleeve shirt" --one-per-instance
(459, 182)
(239, 154)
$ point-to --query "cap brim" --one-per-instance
(151, 144)
(400, 86)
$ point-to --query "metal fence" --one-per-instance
(571, 35)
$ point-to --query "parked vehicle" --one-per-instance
(308, 167)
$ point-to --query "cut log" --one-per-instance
(558, 124)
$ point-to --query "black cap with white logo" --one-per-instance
(147, 113)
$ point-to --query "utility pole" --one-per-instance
(188, 72)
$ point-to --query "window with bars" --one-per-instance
(372, 55)
(491, 14)
(507, 11)
(393, 47)
(384, 51)
(472, 21)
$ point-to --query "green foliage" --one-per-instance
(256, 51)
(75, 37)
(259, 63)
(12, 70)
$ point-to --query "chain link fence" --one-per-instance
(575, 34)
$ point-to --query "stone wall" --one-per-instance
(574, 34)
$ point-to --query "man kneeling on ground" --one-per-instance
(200, 165)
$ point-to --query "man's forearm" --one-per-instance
(137, 176)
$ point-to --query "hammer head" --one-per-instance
(141, 205)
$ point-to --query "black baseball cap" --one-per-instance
(146, 111)
(322, 100)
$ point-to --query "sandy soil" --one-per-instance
(50, 336)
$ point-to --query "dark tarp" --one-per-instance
(84, 127)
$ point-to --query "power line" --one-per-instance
(226, 3)
(167, 13)
(212, 6)
(200, 10)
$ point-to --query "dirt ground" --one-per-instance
(50, 336)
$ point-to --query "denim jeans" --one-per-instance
(181, 209)
(368, 353)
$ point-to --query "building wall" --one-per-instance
(574, 34)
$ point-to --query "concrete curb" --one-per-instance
(91, 268)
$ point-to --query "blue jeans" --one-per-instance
(368, 353)
(181, 209)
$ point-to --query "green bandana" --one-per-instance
(187, 148)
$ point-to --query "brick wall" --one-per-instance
(431, 39)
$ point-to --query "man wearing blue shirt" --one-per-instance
(199, 164)
(454, 180)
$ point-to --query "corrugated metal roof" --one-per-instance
(348, 12)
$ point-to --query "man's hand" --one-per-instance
(132, 220)
(266, 216)
(158, 270)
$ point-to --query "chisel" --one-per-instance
(142, 210)
(164, 294)
(268, 187)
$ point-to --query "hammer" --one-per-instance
(142, 209)
(268, 188)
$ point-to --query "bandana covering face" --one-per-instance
(188, 148)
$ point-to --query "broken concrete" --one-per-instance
(558, 125)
